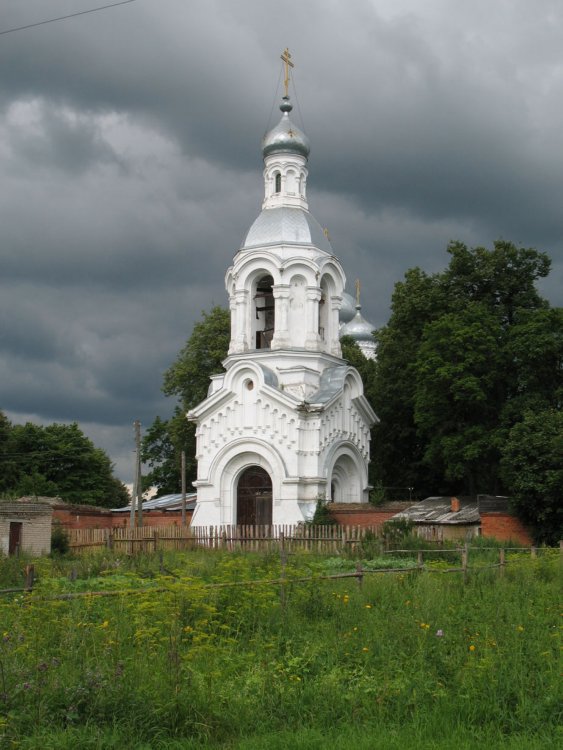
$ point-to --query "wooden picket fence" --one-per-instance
(252, 538)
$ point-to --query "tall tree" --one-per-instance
(532, 465)
(464, 353)
(397, 450)
(188, 380)
(456, 404)
(57, 460)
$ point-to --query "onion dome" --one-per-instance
(358, 328)
(285, 137)
(286, 226)
(362, 332)
(347, 311)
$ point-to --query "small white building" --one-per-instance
(288, 422)
(25, 527)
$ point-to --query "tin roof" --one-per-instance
(166, 502)
(439, 510)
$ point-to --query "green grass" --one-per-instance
(405, 660)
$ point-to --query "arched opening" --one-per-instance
(277, 182)
(254, 497)
(345, 482)
(265, 309)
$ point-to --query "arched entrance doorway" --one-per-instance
(254, 497)
(345, 484)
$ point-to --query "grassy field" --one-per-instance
(171, 660)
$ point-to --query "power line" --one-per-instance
(63, 18)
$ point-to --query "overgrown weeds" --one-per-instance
(188, 660)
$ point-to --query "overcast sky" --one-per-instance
(131, 168)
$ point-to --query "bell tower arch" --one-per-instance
(287, 422)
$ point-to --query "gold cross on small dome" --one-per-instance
(286, 57)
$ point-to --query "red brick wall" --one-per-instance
(92, 518)
(78, 518)
(503, 527)
(155, 518)
(366, 516)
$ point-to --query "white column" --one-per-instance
(281, 332)
(312, 340)
(233, 309)
(241, 299)
(335, 305)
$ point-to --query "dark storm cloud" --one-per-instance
(131, 168)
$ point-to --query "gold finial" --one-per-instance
(286, 57)
(326, 234)
(357, 292)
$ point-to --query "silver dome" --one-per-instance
(285, 225)
(348, 309)
(285, 136)
(358, 328)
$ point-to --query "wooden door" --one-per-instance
(15, 537)
(254, 497)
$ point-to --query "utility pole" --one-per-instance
(183, 488)
(138, 471)
(135, 482)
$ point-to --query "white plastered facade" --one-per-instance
(288, 403)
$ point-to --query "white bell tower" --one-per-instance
(288, 422)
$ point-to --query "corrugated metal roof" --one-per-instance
(439, 510)
(166, 502)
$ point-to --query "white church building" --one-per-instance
(287, 422)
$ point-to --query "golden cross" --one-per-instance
(357, 291)
(286, 57)
(326, 234)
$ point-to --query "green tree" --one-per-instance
(397, 450)
(532, 467)
(456, 404)
(59, 460)
(188, 380)
(464, 354)
(534, 353)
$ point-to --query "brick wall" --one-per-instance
(366, 516)
(155, 518)
(77, 517)
(503, 526)
(84, 517)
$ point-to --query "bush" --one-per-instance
(60, 543)
(322, 515)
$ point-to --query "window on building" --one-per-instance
(277, 178)
(265, 312)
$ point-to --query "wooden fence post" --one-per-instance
(29, 577)
(360, 572)
(155, 540)
(533, 552)
(283, 564)
(420, 559)
(464, 559)
(502, 561)
(109, 540)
